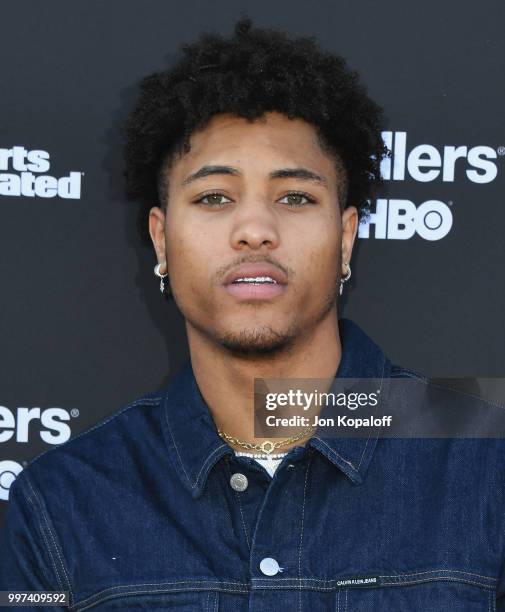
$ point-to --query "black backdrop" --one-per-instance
(83, 327)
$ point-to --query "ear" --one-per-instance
(157, 232)
(350, 221)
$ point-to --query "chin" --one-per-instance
(257, 341)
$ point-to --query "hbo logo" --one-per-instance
(401, 219)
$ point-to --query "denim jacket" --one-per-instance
(145, 511)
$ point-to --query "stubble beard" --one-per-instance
(264, 339)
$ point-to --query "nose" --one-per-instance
(254, 226)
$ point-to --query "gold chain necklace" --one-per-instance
(267, 446)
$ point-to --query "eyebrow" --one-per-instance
(298, 173)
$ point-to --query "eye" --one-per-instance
(212, 199)
(296, 196)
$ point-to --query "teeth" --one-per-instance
(255, 279)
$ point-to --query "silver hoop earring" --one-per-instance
(161, 276)
(345, 279)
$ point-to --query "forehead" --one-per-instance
(271, 140)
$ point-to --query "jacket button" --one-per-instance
(269, 566)
(239, 482)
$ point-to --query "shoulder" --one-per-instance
(467, 391)
(398, 371)
(457, 410)
(98, 445)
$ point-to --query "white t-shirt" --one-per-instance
(269, 462)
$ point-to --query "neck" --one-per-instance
(226, 379)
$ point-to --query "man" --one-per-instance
(254, 159)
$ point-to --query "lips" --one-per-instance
(258, 281)
(260, 271)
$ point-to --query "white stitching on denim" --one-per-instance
(148, 402)
(346, 592)
(169, 584)
(240, 508)
(398, 582)
(127, 593)
(175, 445)
(338, 600)
(139, 402)
(435, 578)
(427, 382)
(453, 571)
(330, 582)
(95, 603)
(44, 535)
(207, 461)
(271, 585)
(333, 452)
(243, 521)
(336, 454)
(397, 372)
(378, 428)
(301, 531)
(192, 485)
(150, 592)
(52, 535)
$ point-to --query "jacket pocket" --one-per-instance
(430, 591)
(184, 601)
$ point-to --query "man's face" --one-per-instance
(253, 248)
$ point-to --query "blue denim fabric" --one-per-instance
(138, 513)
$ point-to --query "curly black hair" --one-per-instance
(250, 73)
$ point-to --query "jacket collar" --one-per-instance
(361, 358)
(194, 445)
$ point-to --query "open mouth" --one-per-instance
(255, 280)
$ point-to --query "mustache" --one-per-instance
(223, 270)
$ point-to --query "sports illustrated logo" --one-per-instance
(49, 424)
(401, 219)
(24, 173)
